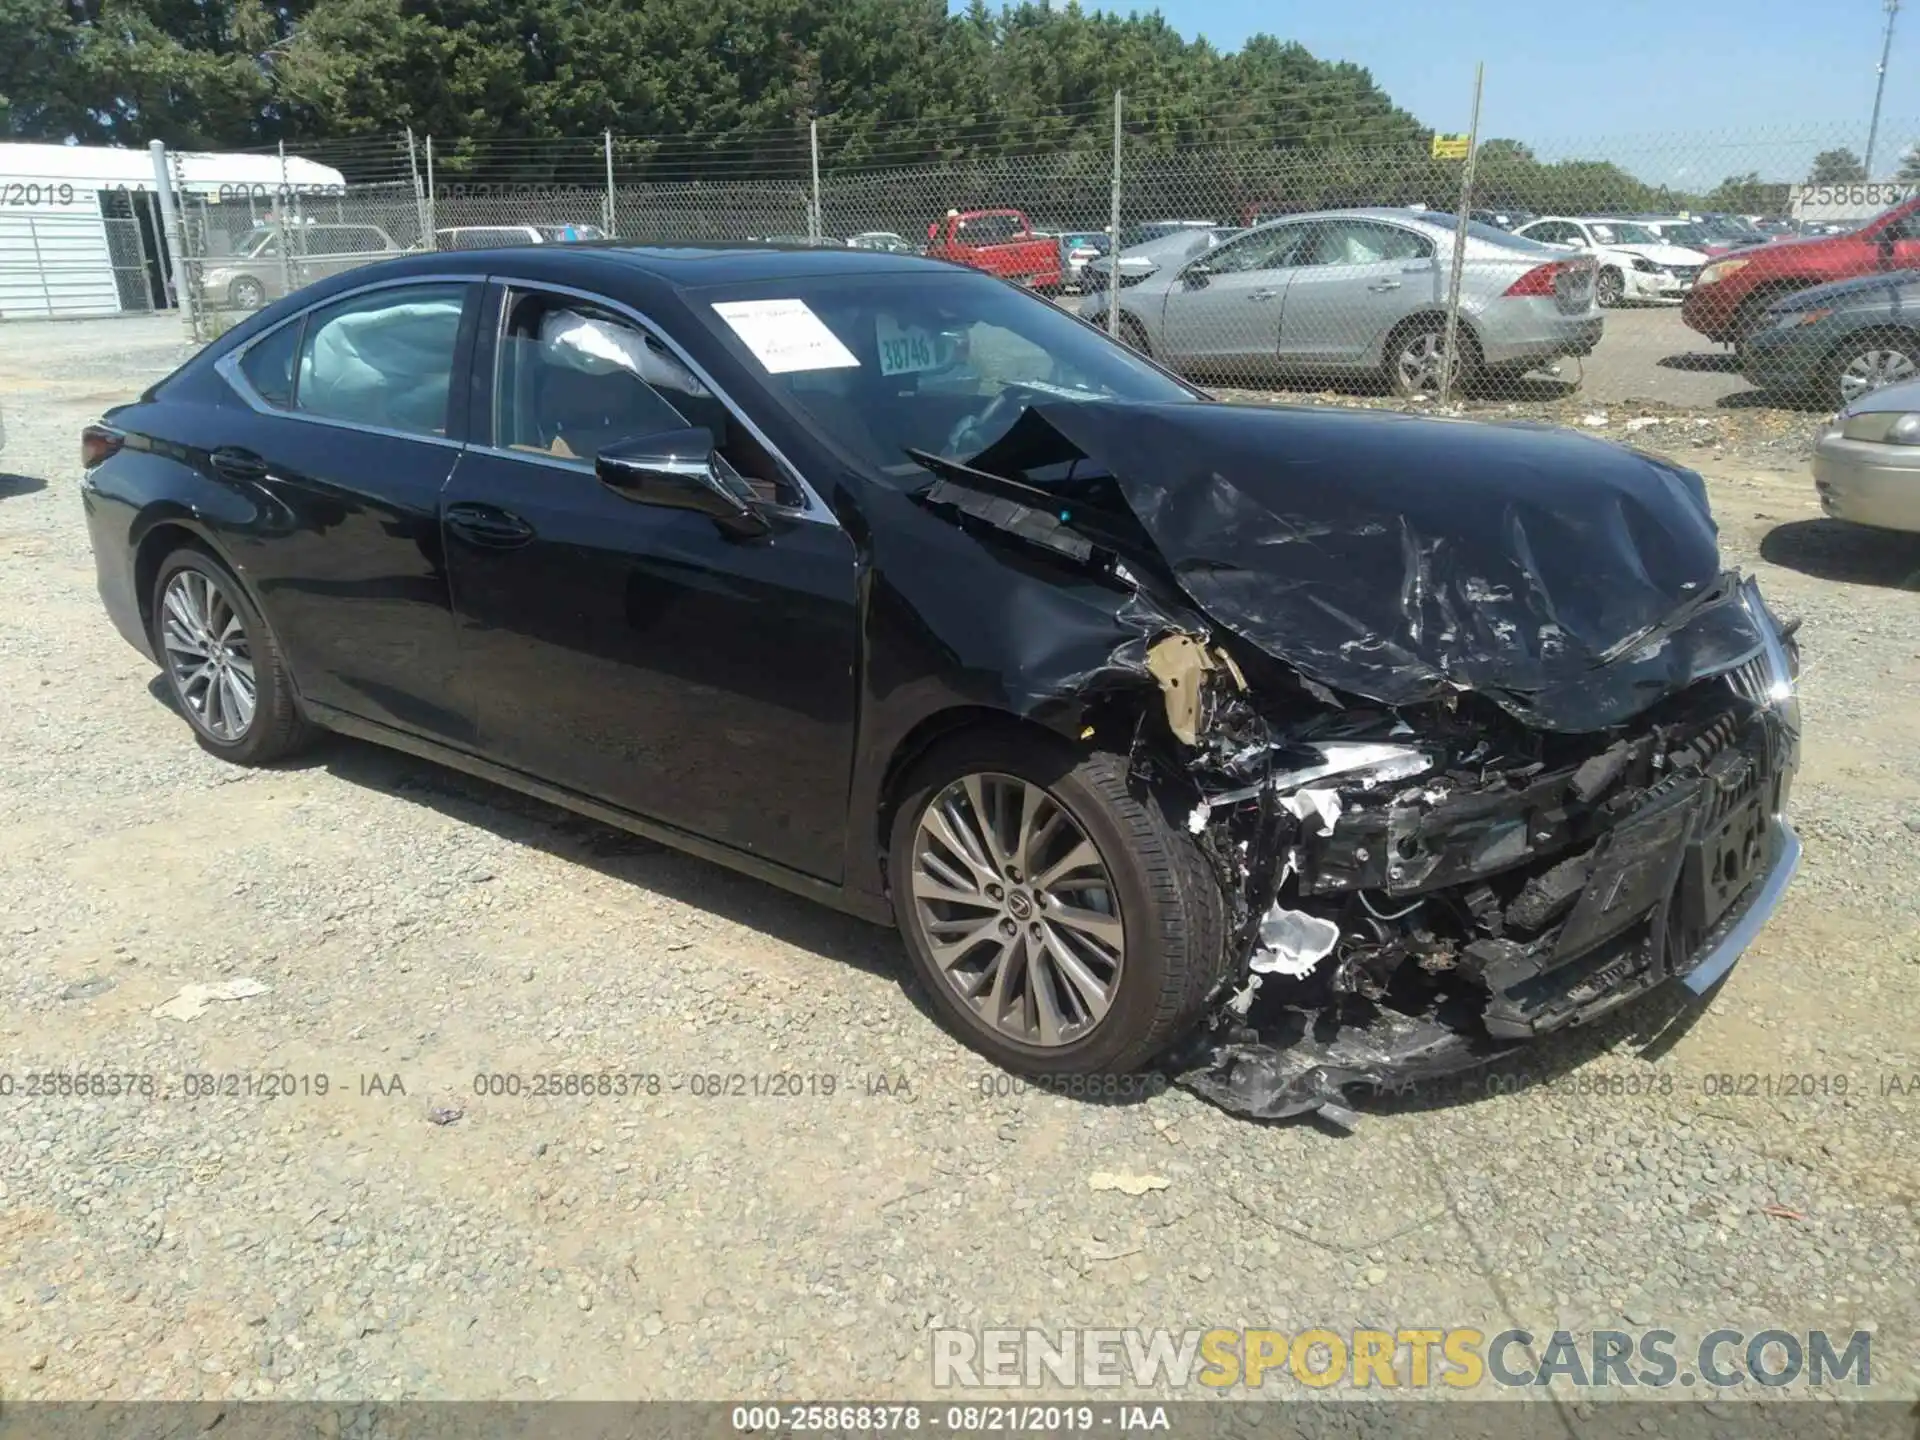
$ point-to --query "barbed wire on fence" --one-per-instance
(1565, 236)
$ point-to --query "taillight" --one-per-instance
(1539, 280)
(97, 443)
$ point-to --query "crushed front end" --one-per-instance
(1477, 734)
(1420, 888)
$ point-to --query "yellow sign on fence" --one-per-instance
(1450, 147)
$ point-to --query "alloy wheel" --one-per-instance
(248, 294)
(209, 657)
(1418, 364)
(1018, 909)
(1612, 287)
(1872, 369)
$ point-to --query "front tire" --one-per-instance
(1134, 335)
(222, 664)
(1059, 921)
(1870, 362)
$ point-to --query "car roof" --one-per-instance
(680, 265)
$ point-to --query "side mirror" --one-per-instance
(677, 471)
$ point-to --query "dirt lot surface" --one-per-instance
(400, 1235)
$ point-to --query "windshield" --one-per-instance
(883, 364)
(1618, 232)
(1689, 235)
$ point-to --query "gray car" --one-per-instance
(1361, 292)
(1866, 466)
(260, 273)
(1834, 343)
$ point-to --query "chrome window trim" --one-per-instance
(227, 367)
(813, 507)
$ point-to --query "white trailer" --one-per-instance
(80, 230)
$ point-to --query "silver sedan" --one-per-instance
(1360, 292)
(1867, 464)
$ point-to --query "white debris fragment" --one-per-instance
(1595, 421)
(193, 999)
(1241, 1001)
(1197, 821)
(1292, 942)
(1380, 762)
(1322, 804)
(1644, 422)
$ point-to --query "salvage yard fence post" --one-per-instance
(176, 235)
(1113, 230)
(1449, 354)
(608, 215)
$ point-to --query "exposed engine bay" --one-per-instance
(1467, 766)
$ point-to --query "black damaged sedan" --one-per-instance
(1287, 749)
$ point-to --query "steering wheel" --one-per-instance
(975, 433)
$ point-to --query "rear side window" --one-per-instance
(268, 365)
(383, 359)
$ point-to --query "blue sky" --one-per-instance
(1676, 87)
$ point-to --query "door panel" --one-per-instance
(632, 652)
(1364, 276)
(639, 656)
(1229, 313)
(351, 570)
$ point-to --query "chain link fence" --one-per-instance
(1448, 268)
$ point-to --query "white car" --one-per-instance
(1635, 263)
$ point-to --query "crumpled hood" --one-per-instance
(1403, 558)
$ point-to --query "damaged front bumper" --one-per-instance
(1570, 892)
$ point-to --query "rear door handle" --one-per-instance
(233, 463)
(1384, 285)
(488, 526)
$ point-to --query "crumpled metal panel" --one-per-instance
(1402, 558)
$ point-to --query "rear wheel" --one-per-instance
(1866, 363)
(1415, 352)
(1611, 288)
(247, 293)
(1059, 921)
(222, 663)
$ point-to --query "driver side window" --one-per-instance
(1266, 250)
(573, 378)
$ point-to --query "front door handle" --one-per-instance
(230, 462)
(1264, 295)
(1384, 285)
(488, 526)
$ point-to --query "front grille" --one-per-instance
(1685, 273)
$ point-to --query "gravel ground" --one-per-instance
(402, 1236)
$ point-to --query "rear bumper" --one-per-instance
(108, 530)
(1539, 339)
(1868, 484)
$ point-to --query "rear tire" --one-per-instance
(1611, 288)
(246, 293)
(1147, 887)
(222, 664)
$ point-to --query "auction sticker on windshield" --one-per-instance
(904, 349)
(785, 335)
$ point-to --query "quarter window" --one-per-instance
(383, 359)
(268, 365)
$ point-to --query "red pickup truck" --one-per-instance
(1729, 300)
(1001, 242)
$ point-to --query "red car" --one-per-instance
(1001, 242)
(1729, 301)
